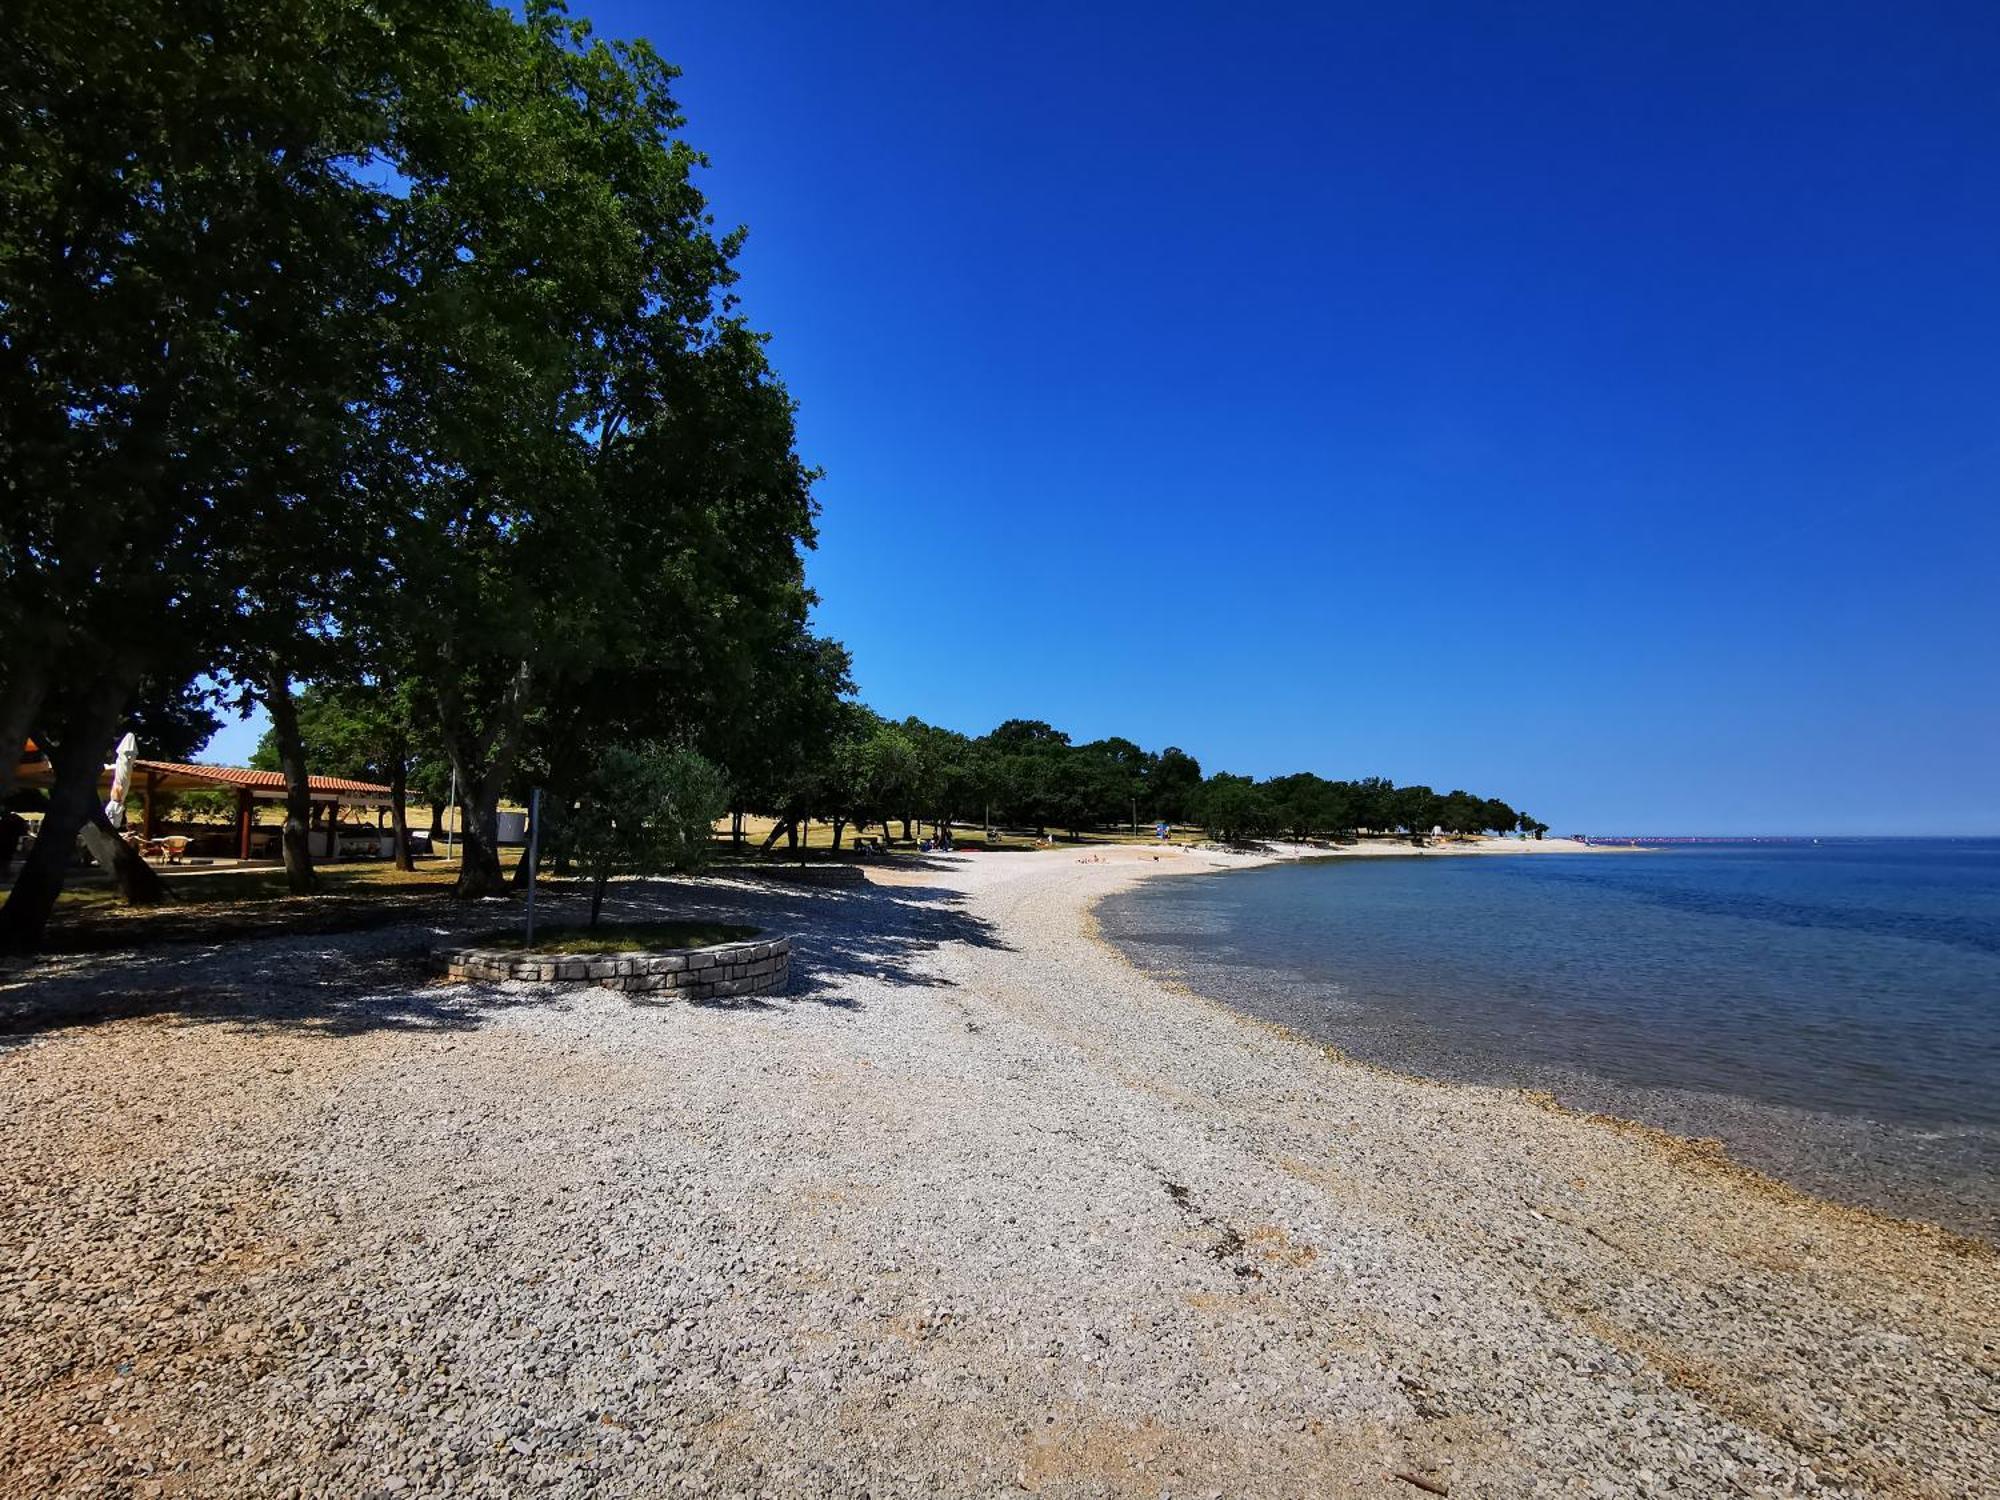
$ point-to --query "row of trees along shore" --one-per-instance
(376, 361)
(840, 764)
(1027, 774)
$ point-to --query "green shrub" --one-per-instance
(645, 809)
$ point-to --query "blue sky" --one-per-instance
(1593, 406)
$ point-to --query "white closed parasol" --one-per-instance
(121, 780)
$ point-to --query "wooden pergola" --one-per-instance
(150, 777)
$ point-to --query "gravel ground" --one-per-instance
(976, 1209)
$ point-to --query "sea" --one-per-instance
(1829, 1010)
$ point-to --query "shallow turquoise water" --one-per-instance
(1832, 1011)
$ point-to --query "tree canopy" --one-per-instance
(387, 347)
(1025, 773)
(378, 361)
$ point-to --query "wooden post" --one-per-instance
(243, 818)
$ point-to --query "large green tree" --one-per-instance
(1233, 808)
(188, 209)
(365, 730)
(1117, 774)
(1172, 785)
(586, 428)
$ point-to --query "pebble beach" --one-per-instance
(975, 1208)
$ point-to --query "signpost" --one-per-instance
(534, 849)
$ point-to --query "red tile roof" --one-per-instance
(262, 781)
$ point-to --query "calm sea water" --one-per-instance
(1831, 1011)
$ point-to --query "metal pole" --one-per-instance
(534, 848)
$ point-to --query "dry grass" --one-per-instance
(236, 884)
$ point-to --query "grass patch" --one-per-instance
(242, 885)
(624, 937)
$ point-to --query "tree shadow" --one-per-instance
(840, 932)
(112, 927)
(847, 869)
(343, 983)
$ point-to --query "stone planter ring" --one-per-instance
(762, 966)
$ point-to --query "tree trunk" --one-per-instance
(479, 872)
(772, 837)
(838, 825)
(295, 841)
(399, 810)
(78, 761)
(24, 920)
(597, 885)
(792, 835)
(483, 761)
(138, 883)
(736, 827)
(906, 830)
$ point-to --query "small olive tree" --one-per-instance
(644, 810)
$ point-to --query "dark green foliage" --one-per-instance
(358, 342)
(1172, 783)
(1027, 774)
(1233, 808)
(642, 810)
(188, 244)
(350, 730)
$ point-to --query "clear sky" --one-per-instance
(1594, 406)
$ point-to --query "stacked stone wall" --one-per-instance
(726, 970)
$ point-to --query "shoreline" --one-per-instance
(1695, 1145)
(979, 1207)
(1702, 1154)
